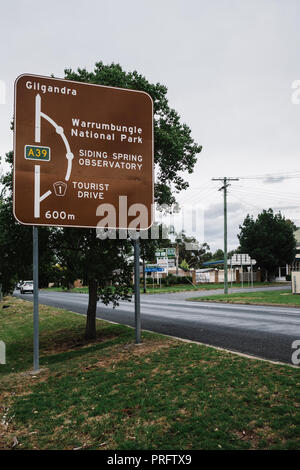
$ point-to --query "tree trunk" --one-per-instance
(90, 330)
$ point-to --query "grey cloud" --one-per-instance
(217, 210)
(274, 179)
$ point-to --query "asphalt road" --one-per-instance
(263, 331)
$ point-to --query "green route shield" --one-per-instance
(36, 152)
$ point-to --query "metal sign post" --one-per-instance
(35, 299)
(137, 300)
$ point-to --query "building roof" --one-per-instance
(204, 270)
(209, 263)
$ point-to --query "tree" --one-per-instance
(16, 242)
(106, 264)
(193, 258)
(218, 255)
(174, 149)
(184, 265)
(268, 239)
(174, 152)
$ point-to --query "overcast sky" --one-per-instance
(229, 66)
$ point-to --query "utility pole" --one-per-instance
(226, 183)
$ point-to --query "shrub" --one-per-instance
(172, 279)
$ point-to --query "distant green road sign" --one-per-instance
(171, 252)
(165, 253)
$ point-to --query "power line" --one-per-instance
(203, 194)
(286, 174)
(270, 194)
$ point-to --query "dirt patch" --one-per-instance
(129, 351)
(247, 437)
(162, 421)
(73, 343)
(255, 435)
(184, 412)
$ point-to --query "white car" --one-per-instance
(27, 287)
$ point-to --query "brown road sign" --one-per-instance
(79, 148)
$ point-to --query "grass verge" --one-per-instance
(278, 298)
(169, 289)
(112, 394)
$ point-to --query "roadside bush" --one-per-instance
(186, 280)
(169, 280)
(172, 279)
(148, 280)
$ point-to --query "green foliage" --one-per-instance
(149, 246)
(172, 280)
(218, 255)
(184, 265)
(149, 280)
(102, 264)
(269, 239)
(191, 259)
(174, 152)
(86, 257)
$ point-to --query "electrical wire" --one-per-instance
(272, 196)
(286, 174)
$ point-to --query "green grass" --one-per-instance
(78, 290)
(200, 287)
(112, 394)
(169, 289)
(279, 297)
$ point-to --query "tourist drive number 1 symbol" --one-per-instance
(35, 152)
